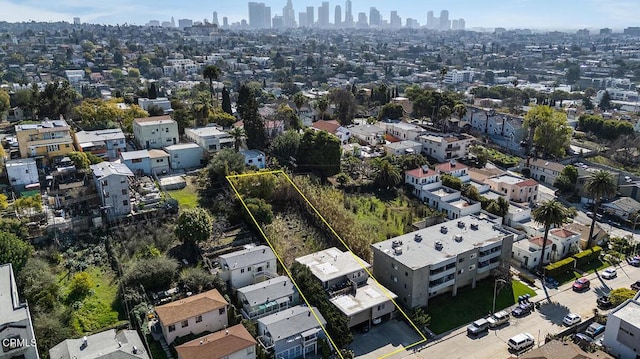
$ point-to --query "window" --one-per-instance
(461, 260)
(198, 319)
(166, 130)
(159, 160)
(381, 306)
(249, 268)
(461, 271)
(185, 323)
(105, 183)
(172, 328)
(221, 311)
(136, 160)
(394, 279)
(472, 267)
(168, 140)
(125, 203)
(242, 270)
(406, 274)
(473, 255)
(394, 266)
(124, 191)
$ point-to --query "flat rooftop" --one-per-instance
(332, 263)
(423, 253)
(630, 312)
(507, 179)
(208, 131)
(11, 309)
(366, 297)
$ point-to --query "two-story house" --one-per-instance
(435, 260)
(211, 139)
(112, 185)
(292, 333)
(106, 144)
(124, 344)
(345, 277)
(204, 312)
(402, 131)
(146, 161)
(268, 297)
(528, 252)
(455, 169)
(155, 132)
(368, 134)
(22, 172)
(445, 147)
(16, 329)
(48, 139)
(422, 179)
(248, 266)
(514, 188)
(334, 128)
(544, 171)
(232, 343)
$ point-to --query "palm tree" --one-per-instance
(550, 213)
(322, 105)
(212, 73)
(460, 110)
(299, 100)
(443, 114)
(600, 184)
(388, 174)
(443, 74)
(238, 135)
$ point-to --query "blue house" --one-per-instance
(146, 161)
(254, 158)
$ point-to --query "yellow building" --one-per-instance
(47, 139)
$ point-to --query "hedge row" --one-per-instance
(577, 260)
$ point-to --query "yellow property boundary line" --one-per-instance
(360, 262)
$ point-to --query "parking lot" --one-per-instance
(546, 320)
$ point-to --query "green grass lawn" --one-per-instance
(449, 312)
(587, 268)
(99, 310)
(186, 197)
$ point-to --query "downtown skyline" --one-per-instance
(570, 14)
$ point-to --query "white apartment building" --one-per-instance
(453, 77)
(445, 147)
(210, 138)
(155, 132)
(22, 172)
(248, 266)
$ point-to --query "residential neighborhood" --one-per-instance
(299, 185)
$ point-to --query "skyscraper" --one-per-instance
(323, 15)
(310, 16)
(362, 20)
(267, 17)
(302, 19)
(444, 20)
(214, 19)
(461, 24)
(430, 20)
(454, 24)
(76, 21)
(337, 17)
(395, 21)
(184, 23)
(288, 15)
(348, 15)
(374, 17)
(259, 15)
(225, 22)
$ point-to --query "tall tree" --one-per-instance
(550, 213)
(212, 73)
(14, 250)
(226, 101)
(194, 225)
(601, 184)
(388, 175)
(299, 100)
(345, 106)
(4, 103)
(605, 101)
(244, 93)
(322, 104)
(534, 118)
(319, 152)
(254, 125)
(238, 135)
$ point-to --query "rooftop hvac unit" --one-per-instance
(418, 237)
(461, 224)
(397, 250)
(444, 230)
(474, 226)
(439, 246)
(457, 238)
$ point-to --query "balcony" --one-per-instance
(438, 284)
(443, 273)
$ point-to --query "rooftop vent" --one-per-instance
(135, 349)
(461, 224)
(457, 238)
(418, 237)
(425, 169)
(453, 163)
(396, 243)
(397, 250)
(474, 226)
(444, 229)
(439, 246)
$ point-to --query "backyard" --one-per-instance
(449, 312)
(188, 196)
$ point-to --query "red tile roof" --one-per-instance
(562, 233)
(391, 138)
(538, 241)
(448, 167)
(217, 345)
(527, 183)
(190, 307)
(420, 173)
(329, 126)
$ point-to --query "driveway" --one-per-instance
(383, 339)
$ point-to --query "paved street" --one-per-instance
(547, 320)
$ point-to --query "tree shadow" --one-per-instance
(554, 312)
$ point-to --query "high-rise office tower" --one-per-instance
(267, 17)
(225, 21)
(454, 24)
(461, 24)
(444, 20)
(288, 15)
(337, 17)
(395, 21)
(256, 15)
(214, 19)
(374, 17)
(323, 15)
(362, 20)
(311, 19)
(348, 15)
(302, 19)
(184, 23)
(76, 21)
(277, 22)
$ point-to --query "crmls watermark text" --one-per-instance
(14, 343)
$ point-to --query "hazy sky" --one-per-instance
(570, 14)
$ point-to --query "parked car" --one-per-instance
(594, 329)
(521, 341)
(634, 261)
(522, 310)
(571, 319)
(604, 302)
(636, 285)
(478, 327)
(609, 273)
(581, 284)
(582, 338)
(498, 319)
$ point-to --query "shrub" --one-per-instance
(587, 256)
(559, 267)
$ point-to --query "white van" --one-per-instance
(521, 341)
(498, 319)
